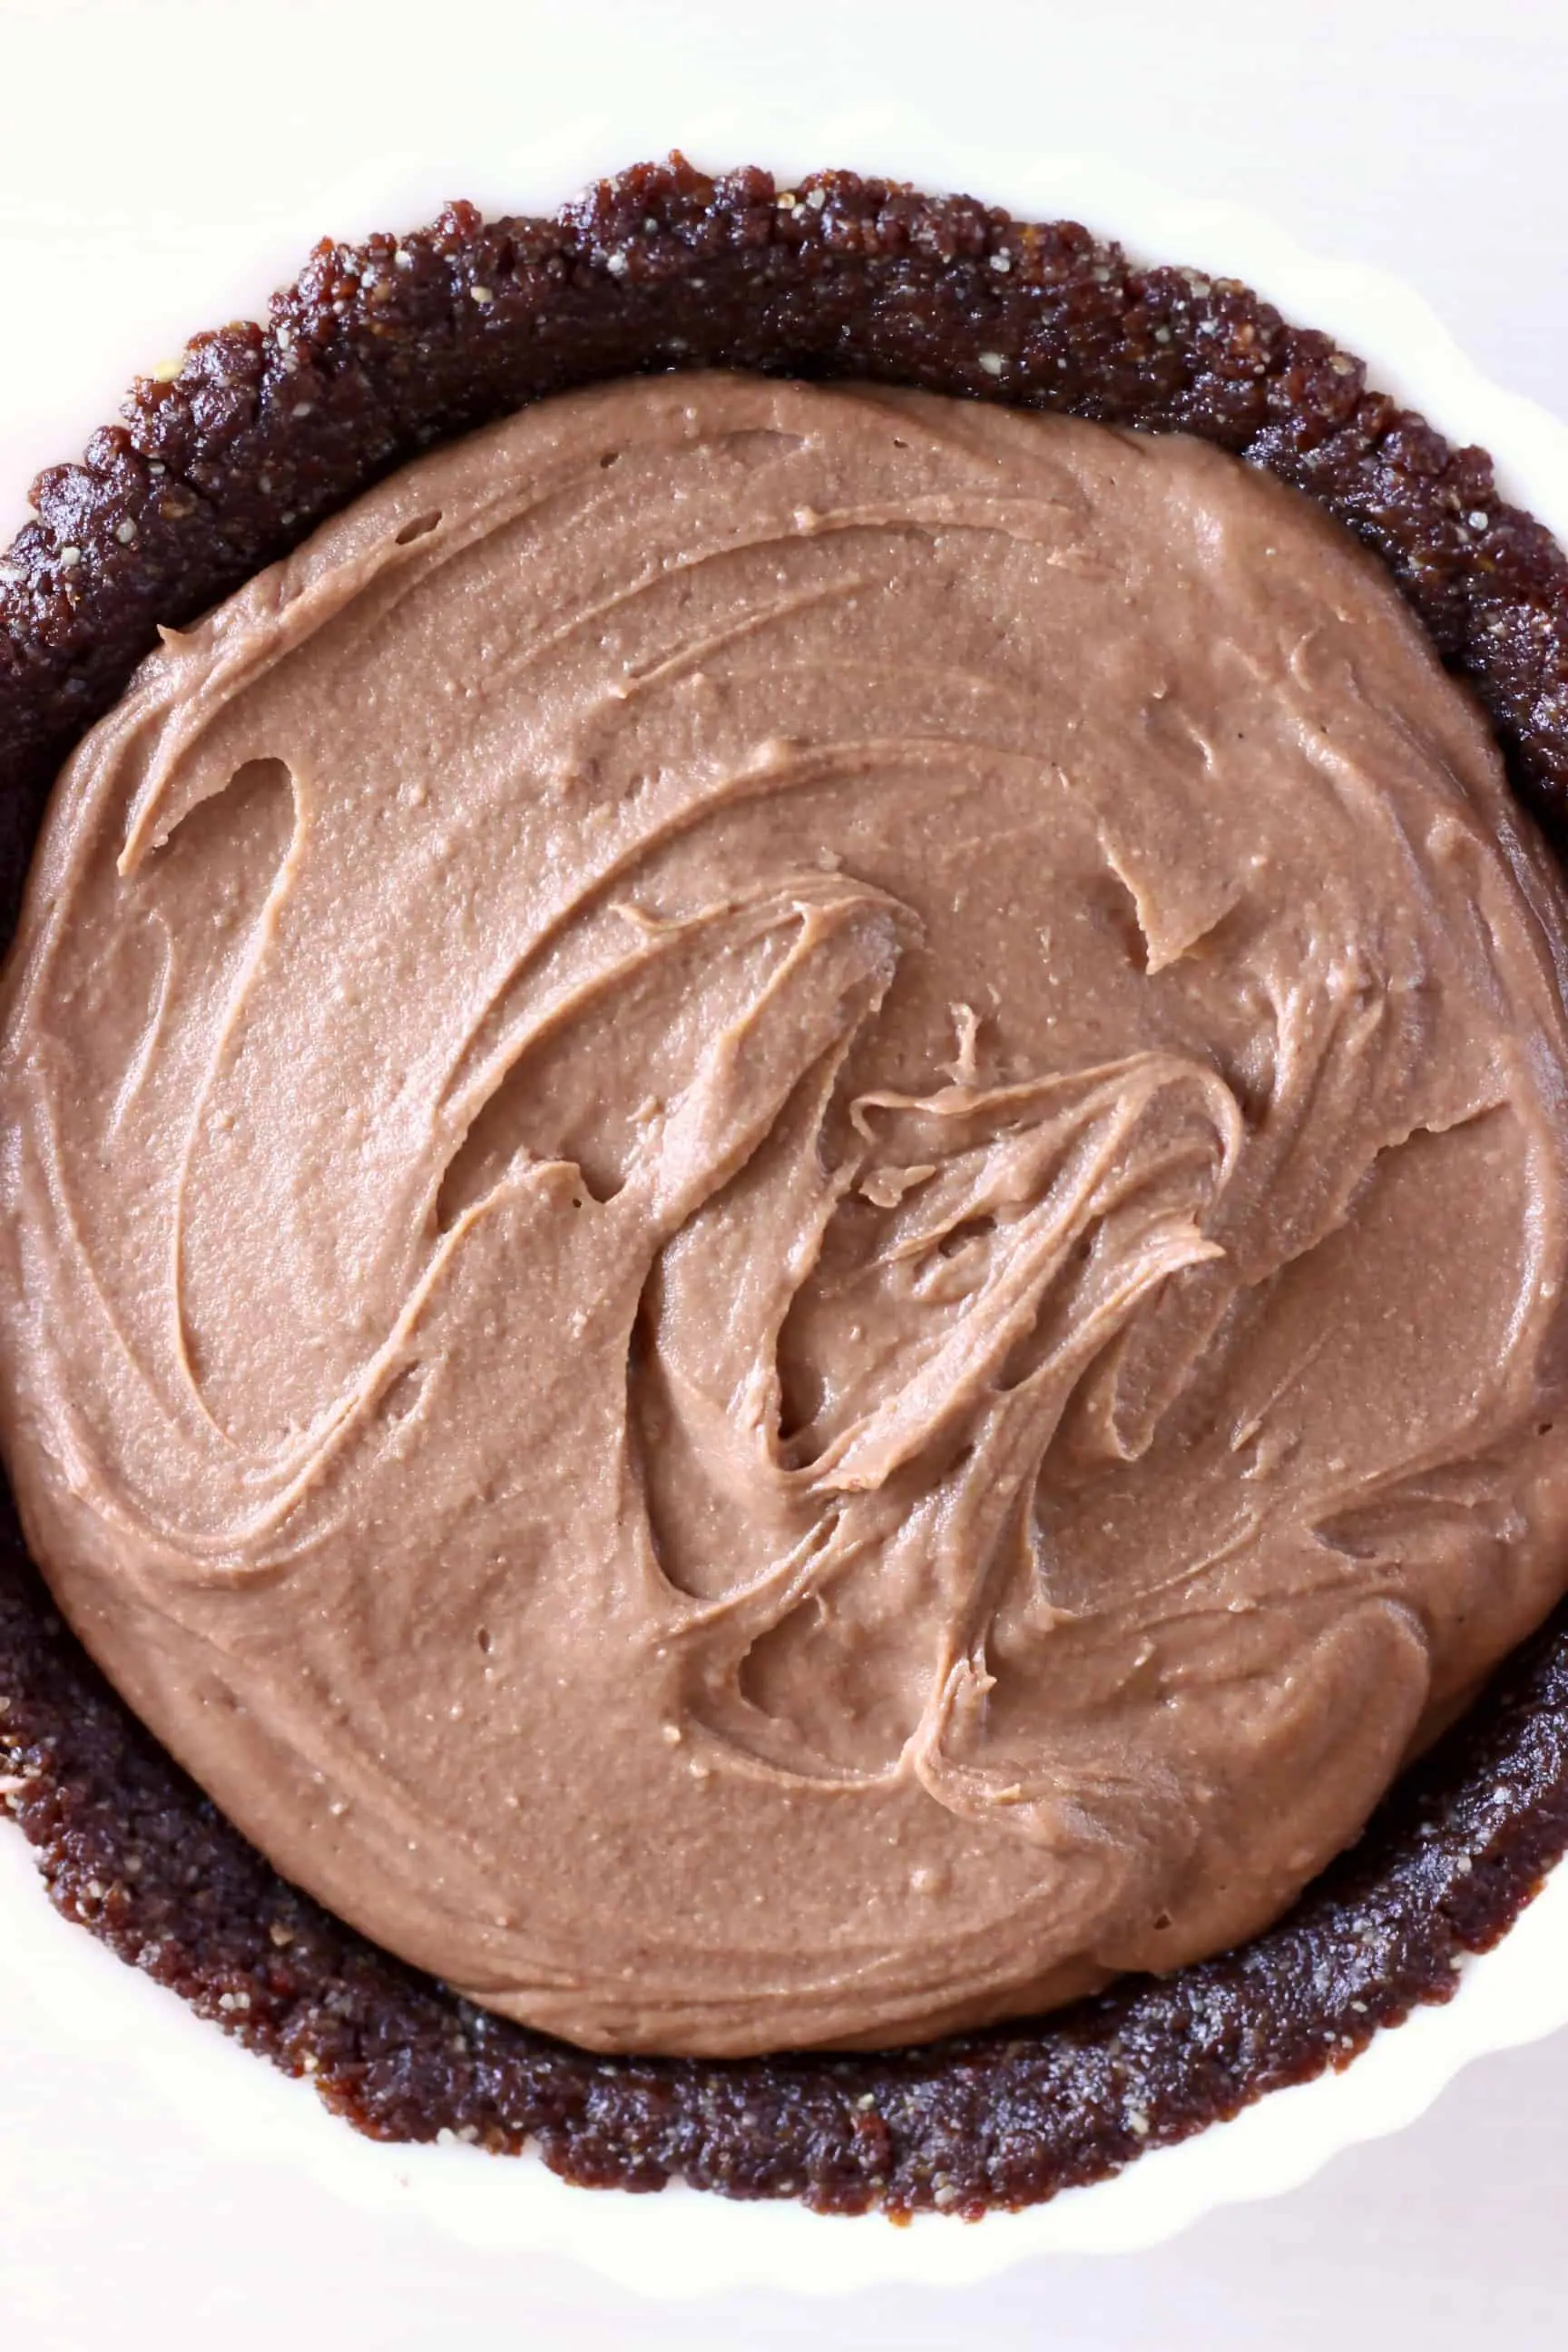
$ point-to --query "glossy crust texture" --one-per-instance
(376, 352)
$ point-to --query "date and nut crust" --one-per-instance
(229, 460)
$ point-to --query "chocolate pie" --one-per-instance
(786, 1110)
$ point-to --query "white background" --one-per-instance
(162, 159)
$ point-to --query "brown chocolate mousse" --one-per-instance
(732, 1134)
(372, 353)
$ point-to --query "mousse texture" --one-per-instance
(222, 464)
(736, 1133)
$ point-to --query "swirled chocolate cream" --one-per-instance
(787, 1186)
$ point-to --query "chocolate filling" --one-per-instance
(375, 354)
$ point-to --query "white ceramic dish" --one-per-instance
(682, 2243)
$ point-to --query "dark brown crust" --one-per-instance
(377, 351)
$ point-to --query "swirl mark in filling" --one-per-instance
(786, 1178)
